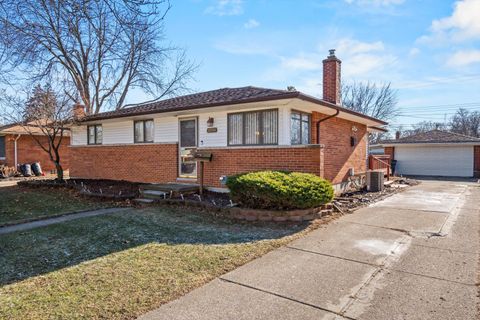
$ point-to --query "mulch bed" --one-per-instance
(106, 189)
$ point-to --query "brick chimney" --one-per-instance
(78, 111)
(331, 78)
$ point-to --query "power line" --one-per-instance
(456, 105)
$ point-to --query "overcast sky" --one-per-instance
(428, 49)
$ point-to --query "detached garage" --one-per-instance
(435, 153)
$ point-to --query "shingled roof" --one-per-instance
(434, 136)
(219, 97)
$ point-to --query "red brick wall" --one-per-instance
(137, 163)
(331, 80)
(28, 151)
(390, 151)
(158, 162)
(229, 161)
(339, 155)
(476, 161)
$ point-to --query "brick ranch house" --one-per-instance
(17, 147)
(245, 129)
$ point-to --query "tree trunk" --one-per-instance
(59, 168)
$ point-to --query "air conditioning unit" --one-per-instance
(375, 180)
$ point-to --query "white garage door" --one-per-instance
(453, 161)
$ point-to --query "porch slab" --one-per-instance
(171, 187)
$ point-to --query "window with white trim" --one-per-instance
(253, 128)
(143, 131)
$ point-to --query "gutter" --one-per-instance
(15, 149)
(324, 119)
(286, 95)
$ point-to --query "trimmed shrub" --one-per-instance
(279, 190)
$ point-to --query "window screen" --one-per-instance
(253, 128)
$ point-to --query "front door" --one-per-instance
(187, 144)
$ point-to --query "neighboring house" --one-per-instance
(435, 153)
(246, 129)
(17, 146)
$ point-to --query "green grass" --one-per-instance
(121, 265)
(22, 204)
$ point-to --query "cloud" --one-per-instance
(462, 25)
(355, 47)
(464, 58)
(376, 3)
(302, 62)
(226, 8)
(360, 60)
(250, 24)
(413, 52)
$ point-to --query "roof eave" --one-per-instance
(286, 95)
(394, 144)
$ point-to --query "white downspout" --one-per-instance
(15, 148)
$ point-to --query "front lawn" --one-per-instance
(22, 204)
(121, 265)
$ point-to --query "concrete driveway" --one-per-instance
(411, 256)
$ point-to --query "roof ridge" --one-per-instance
(459, 134)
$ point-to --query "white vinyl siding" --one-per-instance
(166, 129)
(79, 135)
(453, 161)
(121, 131)
(118, 132)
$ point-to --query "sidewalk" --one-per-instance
(54, 220)
(411, 256)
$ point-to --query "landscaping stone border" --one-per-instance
(257, 214)
(281, 215)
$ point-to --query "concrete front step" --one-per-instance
(171, 187)
(154, 194)
(143, 200)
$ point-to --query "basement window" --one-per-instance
(95, 134)
(143, 131)
(253, 128)
(2, 147)
(300, 127)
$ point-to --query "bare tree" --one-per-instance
(99, 50)
(424, 126)
(44, 115)
(376, 101)
(466, 122)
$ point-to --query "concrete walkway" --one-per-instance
(49, 221)
(411, 256)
